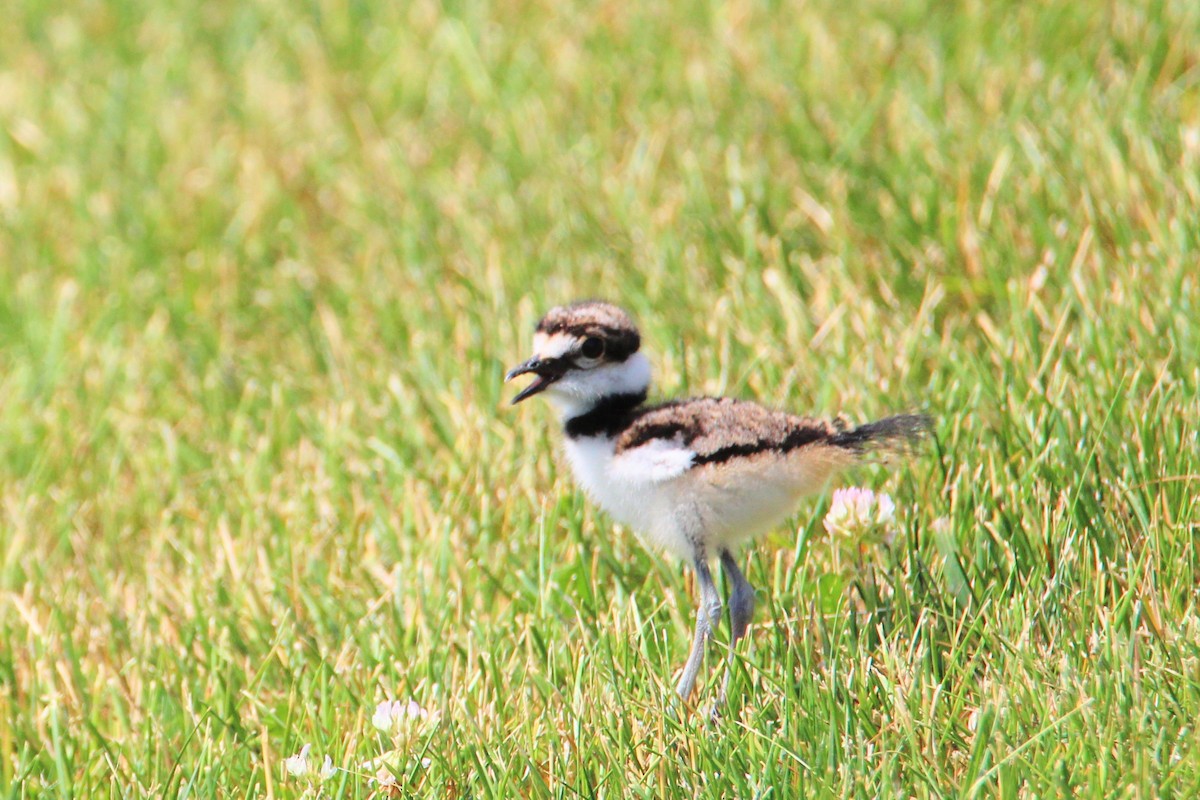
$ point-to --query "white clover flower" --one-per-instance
(298, 765)
(390, 712)
(854, 510)
(328, 770)
(384, 777)
(382, 718)
(411, 710)
(885, 508)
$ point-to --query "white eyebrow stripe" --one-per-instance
(553, 345)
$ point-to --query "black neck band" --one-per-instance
(607, 417)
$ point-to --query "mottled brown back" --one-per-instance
(718, 429)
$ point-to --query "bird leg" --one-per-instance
(741, 597)
(708, 616)
(741, 611)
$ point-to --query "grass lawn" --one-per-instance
(263, 264)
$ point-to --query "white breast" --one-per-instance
(638, 488)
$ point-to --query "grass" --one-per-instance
(262, 265)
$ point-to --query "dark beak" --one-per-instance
(547, 372)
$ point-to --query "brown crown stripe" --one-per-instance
(594, 318)
(594, 311)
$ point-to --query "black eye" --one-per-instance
(593, 347)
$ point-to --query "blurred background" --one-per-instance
(262, 267)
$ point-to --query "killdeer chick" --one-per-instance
(693, 477)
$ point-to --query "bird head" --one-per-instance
(583, 353)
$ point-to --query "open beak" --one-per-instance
(546, 372)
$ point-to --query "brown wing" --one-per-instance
(718, 429)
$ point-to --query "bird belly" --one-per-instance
(646, 506)
(744, 498)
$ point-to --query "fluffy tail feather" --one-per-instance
(900, 433)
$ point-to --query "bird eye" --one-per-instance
(593, 347)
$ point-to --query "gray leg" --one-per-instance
(741, 611)
(741, 597)
(708, 616)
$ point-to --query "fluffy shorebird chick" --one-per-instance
(695, 477)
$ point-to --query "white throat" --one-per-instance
(579, 391)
